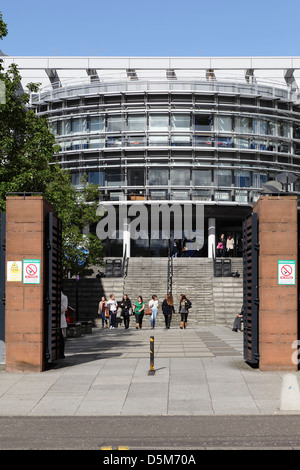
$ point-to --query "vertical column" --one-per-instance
(278, 292)
(24, 283)
(211, 236)
(126, 239)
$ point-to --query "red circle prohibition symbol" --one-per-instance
(31, 269)
(286, 270)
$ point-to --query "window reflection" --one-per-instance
(158, 177)
(159, 122)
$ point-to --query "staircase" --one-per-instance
(193, 277)
(146, 277)
(215, 300)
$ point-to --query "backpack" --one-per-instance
(189, 304)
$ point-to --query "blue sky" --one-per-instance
(151, 28)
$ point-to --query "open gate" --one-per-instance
(53, 257)
(250, 289)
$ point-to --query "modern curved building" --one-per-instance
(204, 131)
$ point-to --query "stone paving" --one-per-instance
(198, 371)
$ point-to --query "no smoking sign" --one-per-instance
(287, 272)
(31, 271)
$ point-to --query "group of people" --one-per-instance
(108, 309)
(225, 246)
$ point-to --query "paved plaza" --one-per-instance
(198, 372)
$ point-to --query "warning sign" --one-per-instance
(31, 271)
(287, 272)
(14, 271)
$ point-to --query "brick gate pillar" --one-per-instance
(278, 290)
(25, 283)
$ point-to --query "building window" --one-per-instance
(223, 141)
(203, 122)
(180, 140)
(136, 141)
(158, 195)
(202, 177)
(158, 122)
(96, 124)
(136, 123)
(223, 177)
(96, 142)
(75, 179)
(258, 179)
(284, 129)
(203, 141)
(242, 143)
(115, 141)
(158, 177)
(244, 125)
(136, 177)
(180, 195)
(76, 126)
(67, 126)
(204, 195)
(96, 177)
(180, 177)
(222, 196)
(114, 178)
(115, 124)
(241, 196)
(181, 122)
(242, 179)
(158, 140)
(223, 124)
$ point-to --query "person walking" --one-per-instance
(153, 304)
(237, 324)
(125, 305)
(168, 310)
(230, 245)
(102, 311)
(221, 246)
(113, 307)
(184, 306)
(138, 308)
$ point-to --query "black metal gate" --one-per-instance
(53, 256)
(2, 286)
(250, 289)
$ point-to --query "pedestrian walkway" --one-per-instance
(198, 371)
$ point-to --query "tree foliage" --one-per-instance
(27, 165)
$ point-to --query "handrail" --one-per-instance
(170, 274)
(124, 263)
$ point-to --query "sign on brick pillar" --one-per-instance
(278, 290)
(24, 283)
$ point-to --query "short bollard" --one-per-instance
(151, 371)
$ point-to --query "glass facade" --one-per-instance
(209, 143)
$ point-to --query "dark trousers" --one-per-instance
(184, 316)
(139, 319)
(237, 324)
(168, 320)
(113, 319)
(126, 320)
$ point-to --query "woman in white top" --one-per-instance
(153, 304)
(113, 307)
